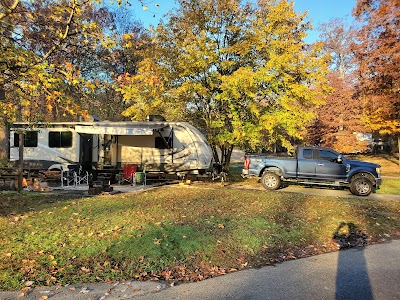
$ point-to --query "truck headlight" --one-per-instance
(378, 171)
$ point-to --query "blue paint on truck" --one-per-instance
(314, 166)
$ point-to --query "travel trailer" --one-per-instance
(154, 146)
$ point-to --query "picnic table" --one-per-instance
(11, 173)
(8, 173)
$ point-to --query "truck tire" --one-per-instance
(271, 181)
(361, 186)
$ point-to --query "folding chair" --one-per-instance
(128, 174)
(70, 176)
(74, 175)
(82, 177)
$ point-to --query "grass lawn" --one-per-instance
(176, 232)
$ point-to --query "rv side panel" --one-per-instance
(45, 147)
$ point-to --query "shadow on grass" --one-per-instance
(352, 279)
(11, 202)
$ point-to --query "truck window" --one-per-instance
(30, 139)
(307, 153)
(60, 139)
(327, 155)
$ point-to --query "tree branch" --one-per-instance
(64, 35)
(9, 10)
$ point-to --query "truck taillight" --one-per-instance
(247, 163)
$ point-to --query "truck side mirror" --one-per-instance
(339, 159)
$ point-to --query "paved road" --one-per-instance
(363, 273)
(372, 272)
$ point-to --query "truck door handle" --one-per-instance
(321, 165)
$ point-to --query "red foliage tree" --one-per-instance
(377, 52)
(341, 116)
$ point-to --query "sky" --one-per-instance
(319, 11)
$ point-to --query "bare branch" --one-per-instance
(8, 10)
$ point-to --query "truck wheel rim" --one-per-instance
(270, 181)
(362, 187)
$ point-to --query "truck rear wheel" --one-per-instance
(361, 186)
(271, 181)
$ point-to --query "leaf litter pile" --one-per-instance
(176, 233)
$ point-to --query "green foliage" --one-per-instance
(241, 72)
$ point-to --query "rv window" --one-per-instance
(160, 144)
(30, 139)
(59, 139)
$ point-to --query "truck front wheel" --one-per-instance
(271, 181)
(361, 186)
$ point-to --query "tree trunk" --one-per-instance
(228, 155)
(3, 141)
(398, 146)
(21, 161)
(215, 153)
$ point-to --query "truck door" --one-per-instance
(306, 164)
(327, 166)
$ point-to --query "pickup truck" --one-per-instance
(314, 166)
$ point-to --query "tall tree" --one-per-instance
(243, 73)
(339, 121)
(45, 68)
(337, 36)
(377, 51)
(341, 116)
(58, 58)
(102, 65)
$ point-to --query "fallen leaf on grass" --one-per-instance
(29, 283)
(84, 290)
(84, 269)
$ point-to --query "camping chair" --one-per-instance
(82, 176)
(128, 174)
(74, 175)
(70, 176)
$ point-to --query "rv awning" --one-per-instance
(132, 129)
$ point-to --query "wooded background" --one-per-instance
(240, 71)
